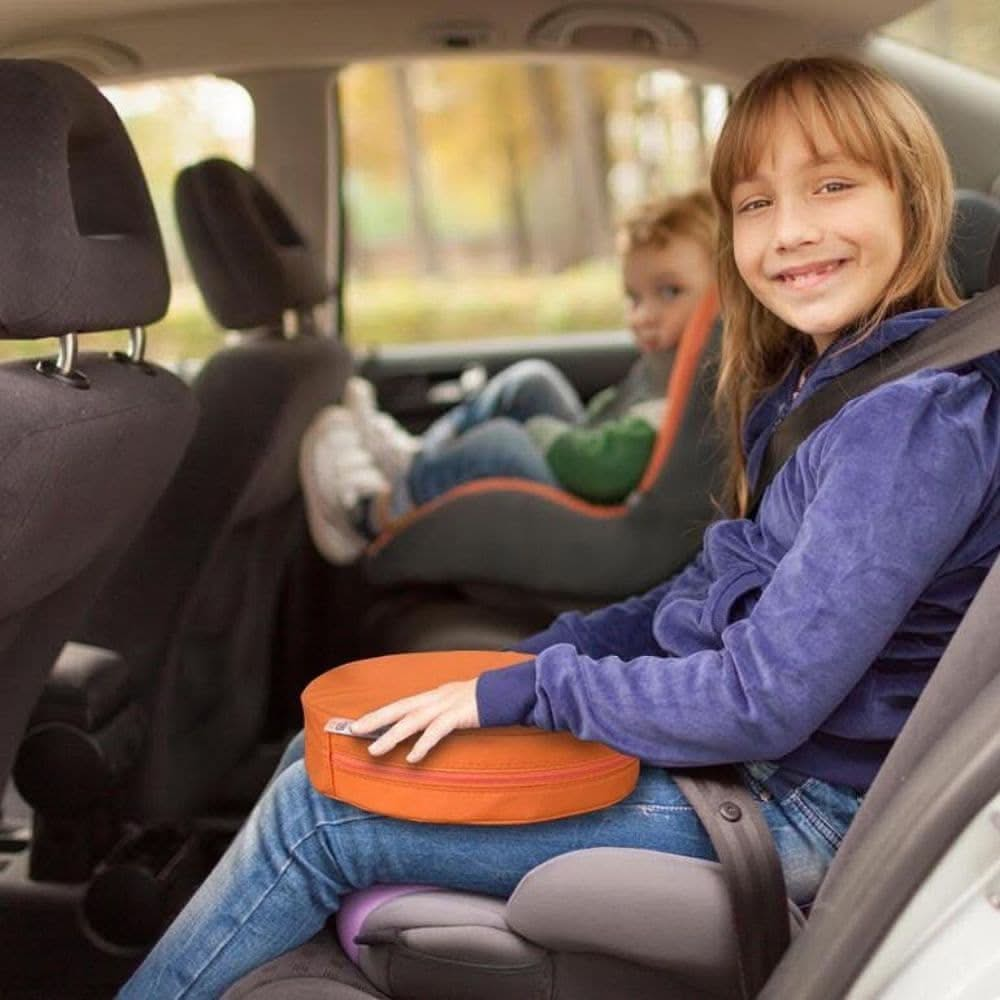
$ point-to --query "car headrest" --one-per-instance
(248, 258)
(81, 249)
(975, 229)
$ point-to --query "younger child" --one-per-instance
(797, 642)
(361, 470)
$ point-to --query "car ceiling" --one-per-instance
(123, 39)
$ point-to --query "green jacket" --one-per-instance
(603, 458)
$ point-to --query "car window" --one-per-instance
(482, 196)
(173, 124)
(964, 31)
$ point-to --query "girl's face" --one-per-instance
(662, 287)
(817, 236)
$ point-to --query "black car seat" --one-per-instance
(974, 234)
(609, 922)
(88, 442)
(194, 604)
(529, 536)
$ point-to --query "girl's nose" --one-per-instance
(793, 225)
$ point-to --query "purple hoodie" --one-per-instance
(805, 635)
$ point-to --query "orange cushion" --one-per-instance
(511, 774)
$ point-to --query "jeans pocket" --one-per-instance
(827, 809)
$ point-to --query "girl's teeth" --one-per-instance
(808, 277)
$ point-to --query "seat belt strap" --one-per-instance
(750, 865)
(958, 338)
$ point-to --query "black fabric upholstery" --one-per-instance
(248, 257)
(79, 472)
(193, 605)
(975, 231)
(81, 249)
(525, 541)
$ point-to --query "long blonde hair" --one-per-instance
(875, 121)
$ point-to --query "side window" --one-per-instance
(172, 124)
(482, 197)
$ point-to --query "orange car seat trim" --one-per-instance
(682, 377)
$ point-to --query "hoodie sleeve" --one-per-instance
(507, 696)
(887, 490)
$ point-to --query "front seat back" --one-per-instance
(87, 443)
(194, 605)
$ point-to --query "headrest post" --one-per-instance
(62, 369)
(306, 323)
(136, 351)
(66, 358)
(137, 344)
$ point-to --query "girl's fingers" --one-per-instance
(431, 736)
(388, 714)
(437, 712)
(404, 728)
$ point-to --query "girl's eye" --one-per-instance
(833, 187)
(752, 205)
(669, 292)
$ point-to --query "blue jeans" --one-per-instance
(523, 390)
(483, 436)
(499, 447)
(299, 853)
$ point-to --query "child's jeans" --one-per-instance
(300, 853)
(523, 390)
(484, 437)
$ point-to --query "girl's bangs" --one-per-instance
(818, 106)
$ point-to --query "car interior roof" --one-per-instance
(123, 39)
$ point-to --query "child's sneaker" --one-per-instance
(338, 476)
(391, 445)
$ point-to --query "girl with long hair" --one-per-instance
(797, 642)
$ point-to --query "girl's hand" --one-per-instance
(437, 712)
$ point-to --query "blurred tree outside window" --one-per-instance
(963, 31)
(482, 196)
(173, 124)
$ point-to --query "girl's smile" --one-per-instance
(808, 276)
(817, 236)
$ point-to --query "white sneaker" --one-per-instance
(337, 473)
(391, 445)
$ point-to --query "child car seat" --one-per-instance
(530, 536)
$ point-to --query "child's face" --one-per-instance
(662, 287)
(816, 238)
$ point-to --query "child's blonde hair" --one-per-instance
(655, 223)
(875, 121)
